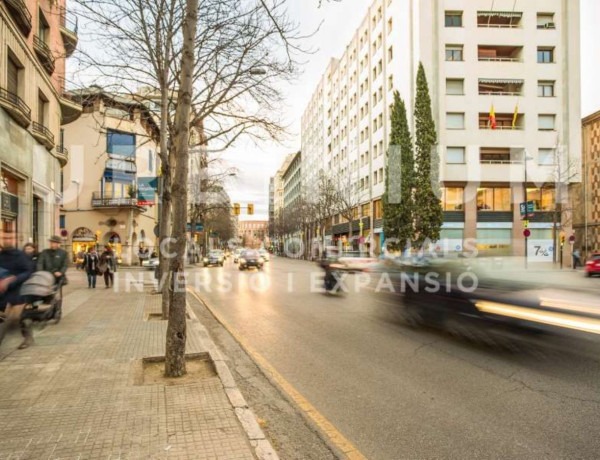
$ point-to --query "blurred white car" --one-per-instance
(151, 263)
(264, 254)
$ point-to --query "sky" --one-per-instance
(338, 21)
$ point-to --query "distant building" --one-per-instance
(271, 206)
(253, 233)
(292, 180)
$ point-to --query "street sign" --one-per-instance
(525, 223)
(146, 191)
(526, 233)
(199, 227)
(527, 209)
(572, 239)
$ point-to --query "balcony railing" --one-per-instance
(44, 54)
(501, 162)
(68, 29)
(43, 134)
(20, 14)
(63, 154)
(16, 107)
(100, 201)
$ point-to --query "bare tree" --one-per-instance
(348, 197)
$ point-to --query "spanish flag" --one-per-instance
(514, 120)
(492, 119)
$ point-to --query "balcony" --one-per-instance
(497, 53)
(68, 30)
(44, 53)
(504, 121)
(62, 154)
(43, 135)
(500, 156)
(500, 87)
(499, 19)
(16, 107)
(100, 201)
(70, 110)
(21, 15)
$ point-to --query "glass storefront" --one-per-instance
(494, 199)
(453, 198)
(494, 240)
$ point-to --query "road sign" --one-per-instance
(199, 227)
(526, 233)
(572, 239)
(527, 209)
(525, 223)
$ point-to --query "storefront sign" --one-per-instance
(539, 250)
(83, 234)
(10, 205)
(147, 187)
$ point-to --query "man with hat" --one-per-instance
(53, 259)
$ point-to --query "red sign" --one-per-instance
(526, 233)
(572, 239)
(145, 203)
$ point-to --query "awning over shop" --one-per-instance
(501, 14)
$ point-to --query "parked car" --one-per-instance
(264, 254)
(215, 257)
(150, 263)
(251, 258)
(592, 266)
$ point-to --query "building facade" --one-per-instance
(36, 37)
(253, 233)
(112, 149)
(292, 180)
(516, 63)
(586, 196)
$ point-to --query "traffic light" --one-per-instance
(250, 209)
(562, 240)
(236, 209)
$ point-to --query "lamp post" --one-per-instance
(526, 158)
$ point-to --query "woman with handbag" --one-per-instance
(108, 266)
(91, 263)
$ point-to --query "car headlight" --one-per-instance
(242, 261)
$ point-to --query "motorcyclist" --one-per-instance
(329, 258)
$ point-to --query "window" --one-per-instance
(545, 21)
(546, 157)
(377, 209)
(455, 86)
(493, 199)
(62, 219)
(375, 177)
(453, 19)
(380, 174)
(545, 55)
(12, 72)
(455, 120)
(544, 198)
(390, 25)
(42, 116)
(390, 82)
(454, 52)
(546, 122)
(545, 88)
(453, 198)
(150, 161)
(118, 143)
(390, 53)
(455, 155)
(43, 27)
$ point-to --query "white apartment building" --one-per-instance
(515, 56)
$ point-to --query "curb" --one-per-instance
(337, 449)
(262, 446)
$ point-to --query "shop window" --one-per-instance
(453, 198)
(544, 198)
(494, 199)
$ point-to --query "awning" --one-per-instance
(110, 175)
(499, 81)
(501, 14)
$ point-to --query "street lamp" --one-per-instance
(526, 158)
(75, 181)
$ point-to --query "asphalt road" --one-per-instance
(397, 392)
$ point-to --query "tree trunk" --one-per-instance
(176, 329)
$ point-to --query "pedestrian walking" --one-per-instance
(143, 253)
(576, 259)
(54, 260)
(108, 266)
(91, 263)
(16, 268)
(32, 254)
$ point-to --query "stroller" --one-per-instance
(43, 297)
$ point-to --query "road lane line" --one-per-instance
(327, 428)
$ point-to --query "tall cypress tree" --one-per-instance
(428, 208)
(397, 200)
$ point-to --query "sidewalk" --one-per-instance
(76, 394)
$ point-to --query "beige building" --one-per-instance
(253, 233)
(36, 37)
(505, 56)
(113, 146)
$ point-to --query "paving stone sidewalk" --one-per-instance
(72, 395)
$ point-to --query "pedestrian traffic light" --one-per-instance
(236, 209)
(250, 209)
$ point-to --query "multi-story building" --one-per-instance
(253, 233)
(112, 152)
(36, 37)
(586, 196)
(292, 180)
(517, 60)
(271, 206)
